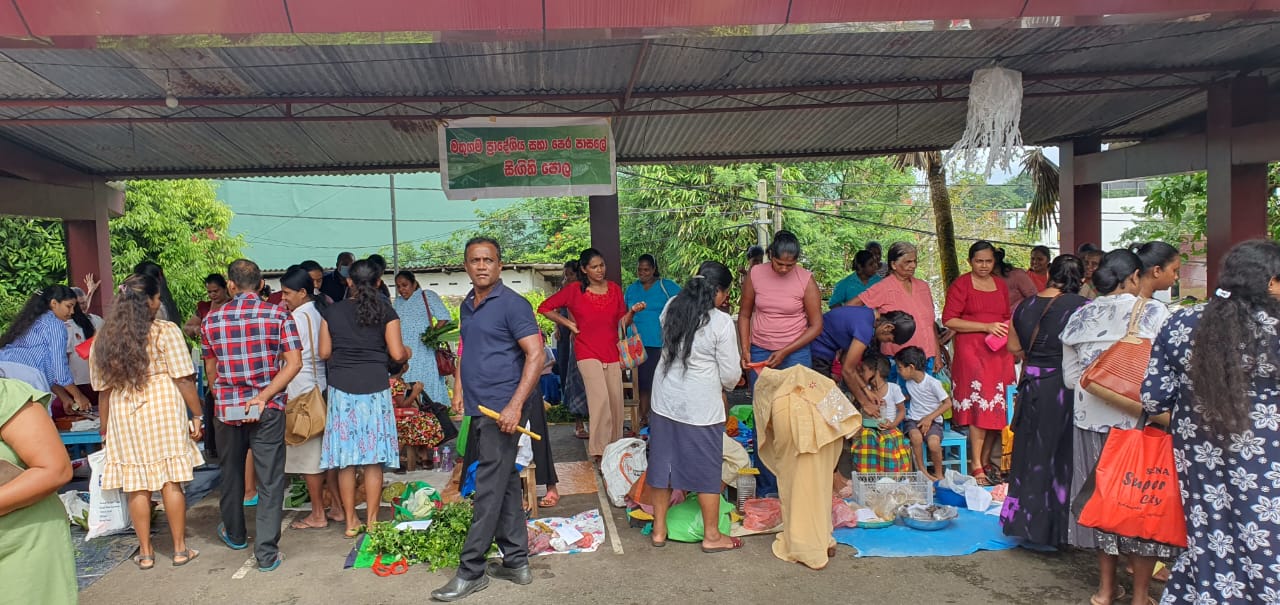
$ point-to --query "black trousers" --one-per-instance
(545, 467)
(499, 514)
(266, 439)
(210, 437)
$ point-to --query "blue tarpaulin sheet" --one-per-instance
(970, 532)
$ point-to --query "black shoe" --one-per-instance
(457, 588)
(519, 575)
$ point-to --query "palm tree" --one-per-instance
(1043, 212)
(935, 170)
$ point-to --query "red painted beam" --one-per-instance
(335, 16)
(11, 22)
(615, 14)
(49, 18)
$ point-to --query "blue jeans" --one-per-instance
(799, 358)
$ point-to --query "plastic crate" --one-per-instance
(917, 482)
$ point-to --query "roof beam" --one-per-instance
(1253, 144)
(641, 55)
(29, 165)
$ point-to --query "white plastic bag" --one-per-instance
(976, 498)
(956, 481)
(77, 506)
(524, 450)
(623, 462)
(108, 513)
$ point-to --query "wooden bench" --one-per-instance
(630, 401)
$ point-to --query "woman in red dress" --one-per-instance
(977, 308)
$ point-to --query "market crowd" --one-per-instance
(1008, 350)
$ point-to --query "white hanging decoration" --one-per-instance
(995, 112)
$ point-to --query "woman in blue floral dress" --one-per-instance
(1227, 444)
(411, 304)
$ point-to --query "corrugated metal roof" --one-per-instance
(262, 75)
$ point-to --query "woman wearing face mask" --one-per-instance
(37, 338)
(1090, 332)
(598, 309)
(1160, 265)
(335, 283)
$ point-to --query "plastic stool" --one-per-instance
(960, 443)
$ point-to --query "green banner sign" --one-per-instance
(526, 157)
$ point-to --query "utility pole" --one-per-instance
(762, 213)
(395, 239)
(777, 199)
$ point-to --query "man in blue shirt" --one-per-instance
(501, 360)
(654, 292)
(334, 285)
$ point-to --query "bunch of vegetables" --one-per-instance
(434, 336)
(439, 545)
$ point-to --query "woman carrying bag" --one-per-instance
(1091, 333)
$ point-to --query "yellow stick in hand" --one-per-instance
(494, 415)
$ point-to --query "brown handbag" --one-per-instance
(444, 354)
(304, 415)
(1117, 374)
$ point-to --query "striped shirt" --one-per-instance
(43, 347)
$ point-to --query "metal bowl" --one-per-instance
(932, 525)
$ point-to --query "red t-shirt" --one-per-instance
(1041, 280)
(597, 316)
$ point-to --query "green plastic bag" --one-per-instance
(463, 432)
(745, 415)
(402, 507)
(684, 520)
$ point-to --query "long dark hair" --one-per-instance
(1002, 266)
(585, 259)
(82, 319)
(147, 267)
(1066, 273)
(1230, 342)
(299, 279)
(37, 305)
(120, 352)
(371, 307)
(690, 310)
(1116, 266)
(1154, 254)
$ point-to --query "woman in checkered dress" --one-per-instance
(143, 369)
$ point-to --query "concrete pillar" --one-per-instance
(89, 252)
(1237, 193)
(1079, 206)
(605, 233)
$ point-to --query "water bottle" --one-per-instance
(746, 486)
(446, 459)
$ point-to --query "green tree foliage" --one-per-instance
(1176, 210)
(179, 224)
(182, 226)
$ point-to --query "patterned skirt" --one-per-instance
(360, 430)
(420, 430)
(876, 451)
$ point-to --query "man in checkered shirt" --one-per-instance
(243, 343)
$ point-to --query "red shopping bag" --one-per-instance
(1136, 491)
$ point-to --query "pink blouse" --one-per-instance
(779, 317)
(889, 295)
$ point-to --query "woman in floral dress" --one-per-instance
(1227, 446)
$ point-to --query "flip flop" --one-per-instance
(275, 565)
(145, 562)
(191, 554)
(300, 524)
(582, 434)
(226, 539)
(252, 501)
(657, 544)
(735, 544)
(354, 532)
(547, 501)
(1119, 594)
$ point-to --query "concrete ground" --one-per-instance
(312, 572)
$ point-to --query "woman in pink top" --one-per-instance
(901, 291)
(781, 309)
